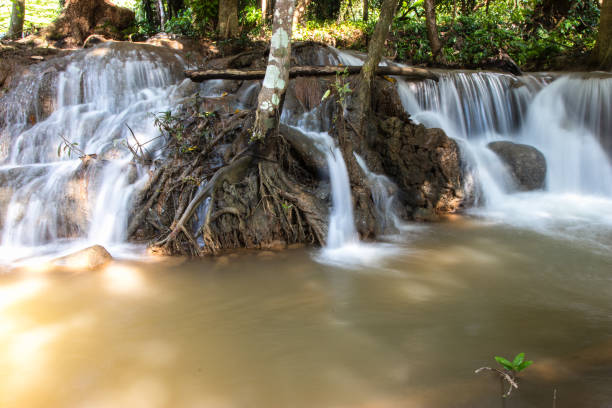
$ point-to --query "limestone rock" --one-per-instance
(526, 163)
(425, 164)
(81, 18)
(91, 258)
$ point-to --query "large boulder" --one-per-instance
(81, 18)
(527, 164)
(426, 166)
(91, 258)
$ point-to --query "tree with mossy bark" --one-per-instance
(17, 19)
(272, 94)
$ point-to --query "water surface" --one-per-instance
(281, 330)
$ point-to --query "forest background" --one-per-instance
(536, 34)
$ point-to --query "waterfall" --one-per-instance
(57, 202)
(566, 118)
(341, 230)
(383, 195)
(343, 247)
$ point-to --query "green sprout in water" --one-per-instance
(517, 365)
(509, 373)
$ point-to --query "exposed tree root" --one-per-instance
(235, 193)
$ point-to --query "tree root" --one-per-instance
(231, 173)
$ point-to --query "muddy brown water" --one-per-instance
(281, 330)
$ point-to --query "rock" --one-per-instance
(425, 214)
(71, 214)
(526, 163)
(426, 166)
(276, 245)
(93, 40)
(305, 148)
(137, 37)
(81, 18)
(91, 258)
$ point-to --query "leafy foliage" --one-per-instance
(472, 38)
(347, 34)
(38, 14)
(517, 365)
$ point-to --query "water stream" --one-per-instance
(345, 326)
(90, 101)
(565, 118)
(265, 330)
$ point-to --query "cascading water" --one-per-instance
(383, 194)
(566, 118)
(83, 105)
(343, 247)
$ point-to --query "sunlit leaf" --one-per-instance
(518, 360)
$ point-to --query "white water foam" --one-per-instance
(567, 119)
(343, 247)
(58, 205)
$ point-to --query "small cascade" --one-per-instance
(383, 194)
(343, 247)
(341, 230)
(566, 118)
(81, 104)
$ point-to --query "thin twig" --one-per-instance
(504, 375)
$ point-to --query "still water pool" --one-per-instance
(281, 330)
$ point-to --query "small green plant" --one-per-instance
(342, 88)
(67, 147)
(509, 373)
(517, 365)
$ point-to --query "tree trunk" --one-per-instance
(246, 74)
(174, 6)
(17, 17)
(604, 39)
(162, 14)
(151, 16)
(228, 19)
(432, 29)
(301, 6)
(272, 94)
(264, 10)
(363, 95)
(366, 10)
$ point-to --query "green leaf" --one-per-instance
(326, 95)
(518, 360)
(507, 364)
(524, 365)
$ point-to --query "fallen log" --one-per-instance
(243, 74)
